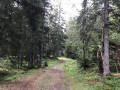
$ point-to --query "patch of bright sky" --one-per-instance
(70, 8)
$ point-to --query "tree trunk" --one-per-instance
(18, 59)
(58, 32)
(100, 65)
(42, 42)
(100, 58)
(30, 63)
(30, 56)
(57, 50)
(84, 60)
(21, 62)
(106, 39)
(41, 56)
(100, 62)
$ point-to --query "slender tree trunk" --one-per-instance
(106, 40)
(41, 55)
(100, 66)
(84, 58)
(58, 41)
(21, 60)
(30, 57)
(100, 58)
(18, 58)
(57, 50)
(41, 49)
(42, 38)
(100, 63)
(30, 64)
(21, 63)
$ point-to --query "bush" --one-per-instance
(70, 66)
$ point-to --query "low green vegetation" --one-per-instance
(9, 74)
(89, 79)
(31, 30)
(64, 58)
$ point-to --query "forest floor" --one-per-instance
(48, 79)
(62, 75)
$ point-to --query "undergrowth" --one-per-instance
(89, 79)
(10, 74)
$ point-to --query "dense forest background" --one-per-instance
(86, 35)
(31, 31)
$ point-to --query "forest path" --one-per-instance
(50, 79)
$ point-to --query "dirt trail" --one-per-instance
(51, 79)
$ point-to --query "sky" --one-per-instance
(70, 8)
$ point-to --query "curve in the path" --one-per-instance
(51, 79)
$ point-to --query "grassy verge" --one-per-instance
(65, 59)
(11, 75)
(88, 79)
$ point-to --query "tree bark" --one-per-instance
(30, 63)
(30, 56)
(42, 38)
(100, 58)
(21, 60)
(41, 55)
(84, 58)
(106, 40)
(100, 65)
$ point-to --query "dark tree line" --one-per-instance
(28, 31)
